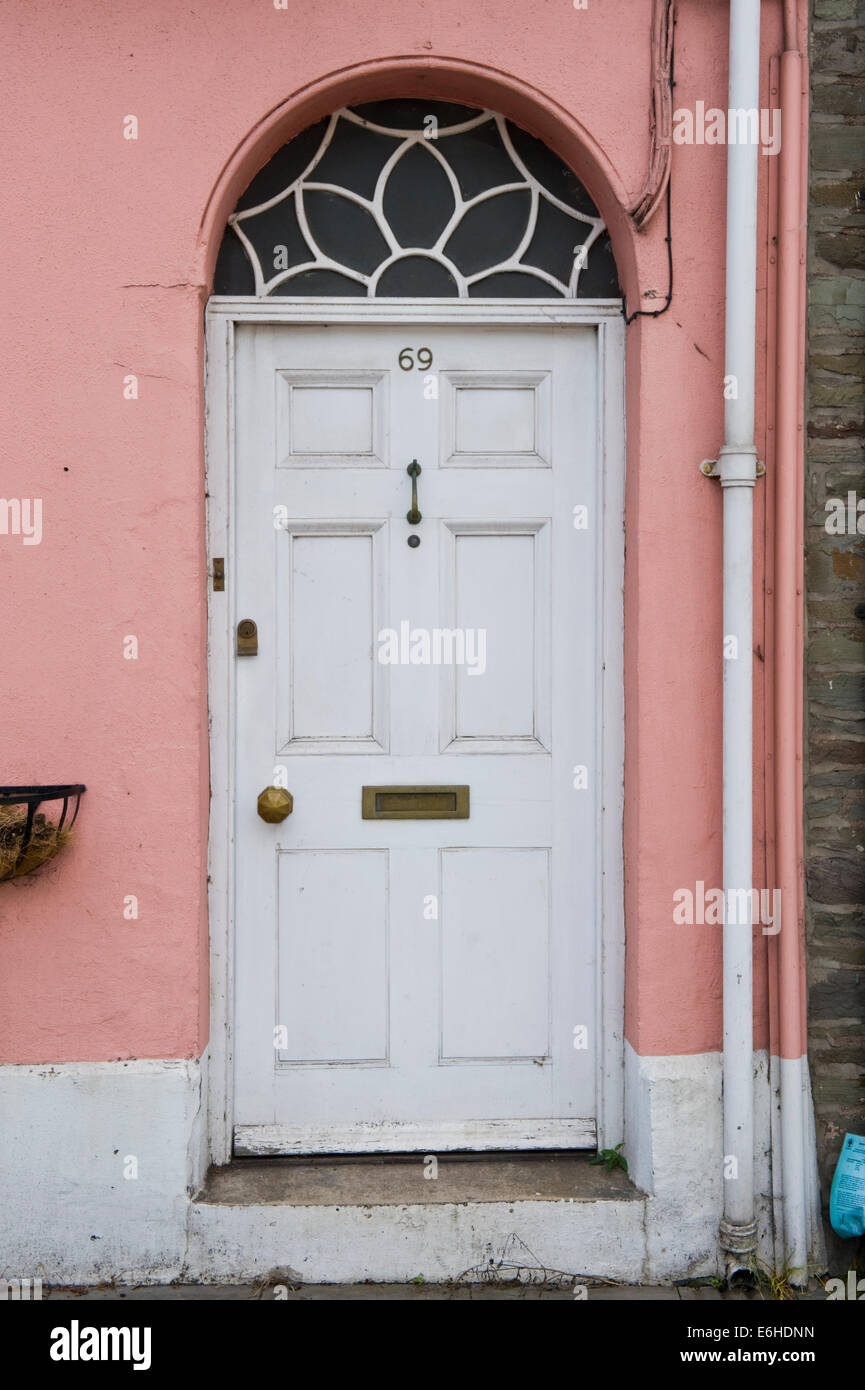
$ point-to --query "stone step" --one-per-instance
(527, 1216)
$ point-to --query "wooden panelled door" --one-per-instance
(417, 983)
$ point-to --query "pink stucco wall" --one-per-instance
(109, 245)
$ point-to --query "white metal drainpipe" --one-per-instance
(737, 467)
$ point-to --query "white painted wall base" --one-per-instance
(70, 1216)
(673, 1139)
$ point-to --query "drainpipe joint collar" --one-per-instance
(738, 1239)
(737, 465)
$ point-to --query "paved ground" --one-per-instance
(423, 1292)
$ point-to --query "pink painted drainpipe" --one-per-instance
(787, 666)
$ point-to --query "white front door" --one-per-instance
(412, 983)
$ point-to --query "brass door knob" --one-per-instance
(274, 804)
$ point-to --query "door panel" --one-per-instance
(332, 947)
(330, 597)
(331, 419)
(495, 930)
(496, 580)
(402, 984)
(496, 419)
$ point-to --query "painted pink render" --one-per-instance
(109, 247)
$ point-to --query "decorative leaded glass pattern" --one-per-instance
(416, 199)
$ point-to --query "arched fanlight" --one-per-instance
(416, 199)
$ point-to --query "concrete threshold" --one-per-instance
(402, 1180)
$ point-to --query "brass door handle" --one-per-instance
(413, 516)
(274, 804)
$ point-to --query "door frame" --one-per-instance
(222, 315)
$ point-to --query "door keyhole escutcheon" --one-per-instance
(274, 804)
(413, 515)
(247, 638)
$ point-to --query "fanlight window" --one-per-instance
(416, 199)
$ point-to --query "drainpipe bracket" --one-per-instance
(711, 468)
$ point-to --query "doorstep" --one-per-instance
(399, 1180)
(348, 1220)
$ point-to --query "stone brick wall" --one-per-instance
(835, 589)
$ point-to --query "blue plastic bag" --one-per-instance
(847, 1202)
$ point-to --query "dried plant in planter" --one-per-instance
(46, 840)
(29, 837)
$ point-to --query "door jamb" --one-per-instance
(221, 316)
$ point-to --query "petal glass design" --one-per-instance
(416, 199)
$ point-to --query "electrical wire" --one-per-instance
(656, 313)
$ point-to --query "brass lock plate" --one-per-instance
(415, 803)
(247, 638)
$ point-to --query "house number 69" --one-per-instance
(424, 359)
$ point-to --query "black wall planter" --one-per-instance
(28, 836)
